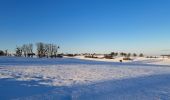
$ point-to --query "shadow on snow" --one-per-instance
(156, 87)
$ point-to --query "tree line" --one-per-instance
(122, 54)
(113, 54)
(49, 50)
(42, 50)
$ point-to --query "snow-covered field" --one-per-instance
(140, 60)
(78, 73)
(66, 75)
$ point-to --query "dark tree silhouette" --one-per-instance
(121, 54)
(24, 49)
(18, 52)
(134, 55)
(114, 54)
(141, 55)
(30, 50)
(40, 50)
(2, 53)
(129, 54)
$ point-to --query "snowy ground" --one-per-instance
(140, 60)
(74, 79)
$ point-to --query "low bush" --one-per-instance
(127, 58)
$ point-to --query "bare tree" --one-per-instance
(47, 50)
(24, 49)
(30, 50)
(6, 52)
(121, 54)
(141, 55)
(18, 52)
(129, 54)
(134, 55)
(40, 49)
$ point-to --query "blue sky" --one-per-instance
(79, 26)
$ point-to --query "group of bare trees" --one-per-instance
(26, 50)
(43, 50)
(47, 50)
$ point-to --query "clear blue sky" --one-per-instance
(78, 26)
